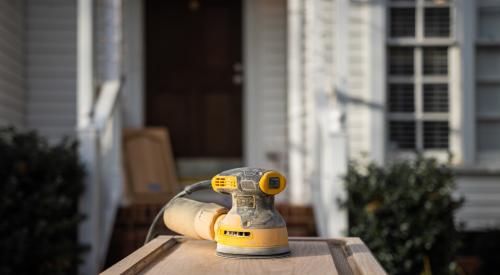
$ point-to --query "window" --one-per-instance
(403, 22)
(437, 22)
(436, 98)
(435, 134)
(435, 61)
(418, 93)
(401, 98)
(403, 134)
(401, 61)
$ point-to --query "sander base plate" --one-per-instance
(246, 256)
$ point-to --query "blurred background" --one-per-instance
(383, 114)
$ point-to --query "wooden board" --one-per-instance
(179, 255)
(149, 164)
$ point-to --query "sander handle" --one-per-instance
(206, 184)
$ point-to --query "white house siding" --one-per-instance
(310, 89)
(481, 209)
(318, 86)
(265, 83)
(11, 63)
(51, 67)
(358, 94)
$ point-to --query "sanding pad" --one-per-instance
(246, 256)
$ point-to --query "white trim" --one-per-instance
(418, 95)
(89, 204)
(133, 88)
(377, 79)
(85, 62)
(466, 34)
(294, 102)
(264, 88)
(251, 139)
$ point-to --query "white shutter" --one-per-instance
(488, 22)
(482, 203)
(488, 83)
(11, 63)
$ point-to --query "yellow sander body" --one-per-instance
(251, 228)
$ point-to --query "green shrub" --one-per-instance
(404, 213)
(40, 187)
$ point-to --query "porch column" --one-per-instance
(296, 146)
(89, 229)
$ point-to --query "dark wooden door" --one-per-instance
(193, 57)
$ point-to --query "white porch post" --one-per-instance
(85, 62)
(331, 220)
(89, 204)
(294, 105)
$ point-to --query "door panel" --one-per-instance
(191, 51)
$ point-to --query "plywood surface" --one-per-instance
(178, 255)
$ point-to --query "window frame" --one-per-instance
(418, 80)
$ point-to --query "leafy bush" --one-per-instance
(404, 214)
(39, 190)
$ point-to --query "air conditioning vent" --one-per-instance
(237, 233)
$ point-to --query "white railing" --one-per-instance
(331, 163)
(100, 151)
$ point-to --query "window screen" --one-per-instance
(402, 134)
(436, 134)
(437, 22)
(401, 61)
(401, 98)
(435, 61)
(418, 95)
(402, 22)
(436, 98)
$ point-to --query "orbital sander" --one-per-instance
(244, 225)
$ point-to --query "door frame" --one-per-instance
(134, 87)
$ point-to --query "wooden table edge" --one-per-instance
(358, 256)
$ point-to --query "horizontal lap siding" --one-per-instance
(51, 67)
(482, 202)
(269, 76)
(11, 63)
(358, 94)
